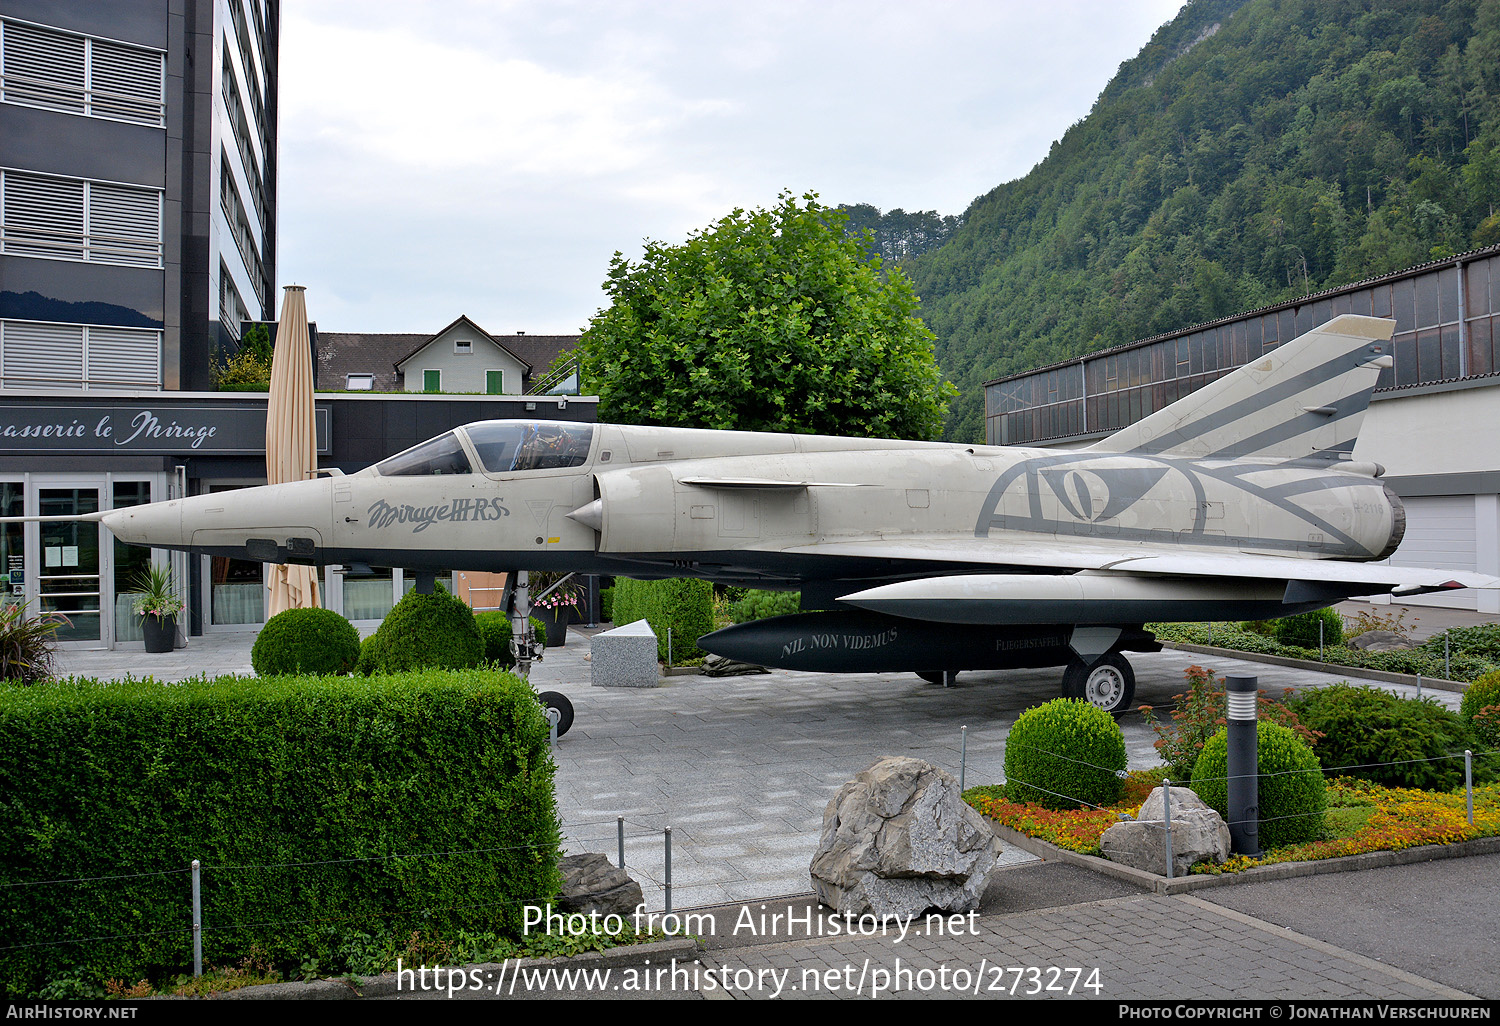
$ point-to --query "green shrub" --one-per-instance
(1291, 791)
(1199, 712)
(758, 605)
(1302, 630)
(607, 604)
(494, 628)
(685, 606)
(1482, 641)
(316, 642)
(314, 803)
(1265, 628)
(1375, 735)
(369, 657)
(28, 645)
(434, 630)
(1063, 754)
(1480, 710)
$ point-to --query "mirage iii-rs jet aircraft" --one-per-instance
(1236, 502)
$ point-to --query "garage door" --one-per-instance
(1439, 534)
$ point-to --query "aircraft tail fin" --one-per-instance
(1303, 400)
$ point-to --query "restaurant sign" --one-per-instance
(166, 429)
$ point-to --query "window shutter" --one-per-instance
(122, 357)
(494, 382)
(43, 69)
(43, 216)
(41, 355)
(124, 225)
(126, 83)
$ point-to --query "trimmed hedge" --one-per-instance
(758, 605)
(684, 605)
(312, 802)
(1302, 629)
(1292, 794)
(1464, 667)
(310, 641)
(1064, 753)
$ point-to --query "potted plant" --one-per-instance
(554, 607)
(159, 604)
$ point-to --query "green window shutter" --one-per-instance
(432, 381)
(494, 382)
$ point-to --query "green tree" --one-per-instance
(768, 320)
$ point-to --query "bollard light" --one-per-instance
(1244, 765)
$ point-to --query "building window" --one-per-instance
(359, 382)
(463, 346)
(39, 354)
(42, 67)
(432, 381)
(494, 382)
(74, 219)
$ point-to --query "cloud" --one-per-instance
(488, 158)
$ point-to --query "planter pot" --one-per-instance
(160, 632)
(557, 626)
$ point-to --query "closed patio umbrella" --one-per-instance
(291, 437)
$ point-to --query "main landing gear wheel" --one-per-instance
(1109, 683)
(937, 676)
(557, 700)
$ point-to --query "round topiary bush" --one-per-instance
(1064, 754)
(1302, 630)
(434, 630)
(317, 642)
(1292, 794)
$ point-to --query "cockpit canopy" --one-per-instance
(503, 447)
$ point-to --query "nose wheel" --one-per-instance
(1108, 683)
(557, 700)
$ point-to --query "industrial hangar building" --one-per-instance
(1434, 420)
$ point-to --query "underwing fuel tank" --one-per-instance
(864, 642)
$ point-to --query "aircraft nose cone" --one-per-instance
(157, 524)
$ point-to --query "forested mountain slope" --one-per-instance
(1254, 151)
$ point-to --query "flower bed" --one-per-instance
(1397, 818)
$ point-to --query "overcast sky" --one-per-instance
(444, 157)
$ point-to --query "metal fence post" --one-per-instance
(963, 756)
(620, 837)
(669, 869)
(1447, 668)
(552, 717)
(1469, 783)
(1166, 793)
(197, 920)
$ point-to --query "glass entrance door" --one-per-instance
(69, 572)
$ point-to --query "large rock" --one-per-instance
(1380, 641)
(591, 883)
(1198, 833)
(898, 839)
